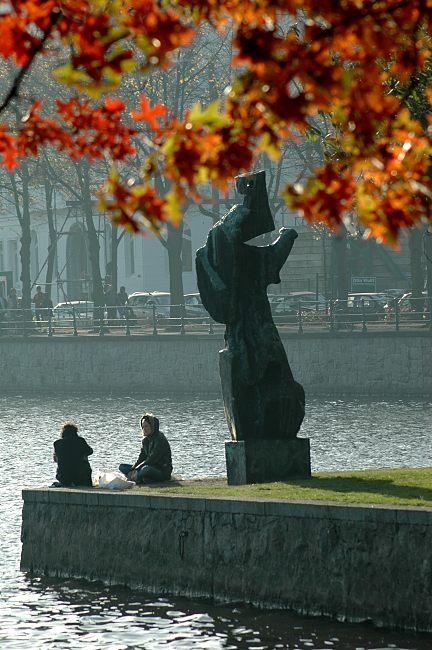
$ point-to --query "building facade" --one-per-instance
(143, 264)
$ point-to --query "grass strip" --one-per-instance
(403, 486)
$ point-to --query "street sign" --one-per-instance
(363, 284)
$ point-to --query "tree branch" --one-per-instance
(14, 89)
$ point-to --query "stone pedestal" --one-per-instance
(263, 460)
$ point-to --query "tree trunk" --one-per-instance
(52, 234)
(428, 255)
(340, 279)
(114, 258)
(173, 245)
(340, 265)
(324, 261)
(25, 239)
(93, 242)
(174, 249)
(23, 214)
(417, 277)
(216, 206)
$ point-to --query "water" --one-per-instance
(70, 614)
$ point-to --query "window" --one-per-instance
(192, 301)
(187, 249)
(2, 262)
(129, 243)
(138, 300)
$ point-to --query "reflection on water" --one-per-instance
(69, 614)
(81, 615)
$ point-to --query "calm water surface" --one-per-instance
(75, 615)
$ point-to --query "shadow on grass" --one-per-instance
(174, 482)
(352, 484)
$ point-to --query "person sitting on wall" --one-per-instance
(154, 464)
(71, 453)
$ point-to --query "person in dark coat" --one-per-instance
(71, 453)
(154, 464)
(39, 300)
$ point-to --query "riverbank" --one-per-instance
(405, 486)
(348, 561)
(356, 364)
(78, 614)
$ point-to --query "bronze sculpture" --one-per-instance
(262, 400)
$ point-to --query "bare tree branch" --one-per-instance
(14, 89)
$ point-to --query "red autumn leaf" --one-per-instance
(113, 105)
(342, 63)
(8, 149)
(148, 114)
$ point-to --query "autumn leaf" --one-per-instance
(172, 208)
(346, 61)
(211, 116)
(148, 114)
(113, 105)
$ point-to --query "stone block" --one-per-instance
(263, 460)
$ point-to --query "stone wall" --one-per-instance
(358, 364)
(348, 562)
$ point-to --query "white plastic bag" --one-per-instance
(113, 481)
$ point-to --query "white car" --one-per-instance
(194, 306)
(142, 302)
(65, 310)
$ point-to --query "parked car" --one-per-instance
(307, 300)
(194, 307)
(65, 310)
(142, 303)
(359, 307)
(376, 297)
(274, 298)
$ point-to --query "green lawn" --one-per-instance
(407, 486)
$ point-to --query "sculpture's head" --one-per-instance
(259, 219)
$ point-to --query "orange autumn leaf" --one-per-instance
(342, 61)
(148, 114)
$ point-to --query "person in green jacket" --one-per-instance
(154, 464)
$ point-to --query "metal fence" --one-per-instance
(331, 316)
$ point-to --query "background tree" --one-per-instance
(52, 232)
(19, 183)
(199, 73)
(416, 95)
(338, 62)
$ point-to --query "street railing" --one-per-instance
(306, 316)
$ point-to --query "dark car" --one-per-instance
(306, 300)
(359, 308)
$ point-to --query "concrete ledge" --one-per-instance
(349, 562)
(260, 507)
(325, 363)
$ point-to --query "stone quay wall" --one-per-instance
(348, 562)
(386, 364)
